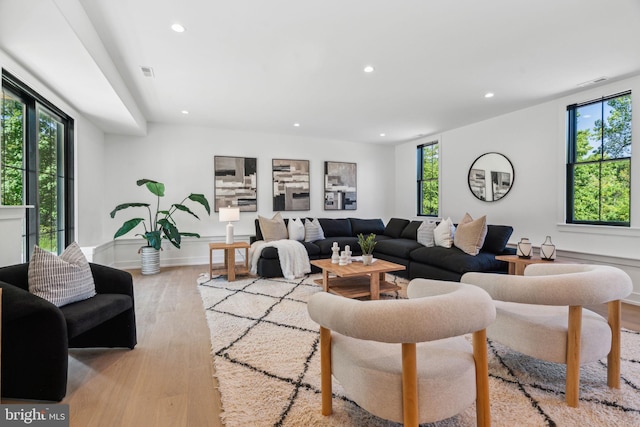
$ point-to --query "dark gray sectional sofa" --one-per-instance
(397, 243)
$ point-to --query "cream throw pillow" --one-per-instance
(274, 228)
(62, 279)
(470, 234)
(296, 229)
(313, 230)
(443, 233)
(425, 233)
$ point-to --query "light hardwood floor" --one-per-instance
(167, 380)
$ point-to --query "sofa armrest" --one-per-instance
(109, 280)
(17, 275)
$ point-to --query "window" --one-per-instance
(36, 165)
(428, 183)
(599, 161)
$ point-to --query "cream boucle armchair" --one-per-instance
(540, 314)
(406, 360)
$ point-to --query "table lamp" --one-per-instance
(229, 215)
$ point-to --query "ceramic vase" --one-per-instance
(524, 248)
(548, 250)
(367, 259)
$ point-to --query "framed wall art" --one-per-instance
(290, 185)
(340, 186)
(236, 183)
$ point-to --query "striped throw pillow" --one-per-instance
(62, 279)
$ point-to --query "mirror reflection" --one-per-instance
(491, 177)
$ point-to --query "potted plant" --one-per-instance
(367, 244)
(160, 225)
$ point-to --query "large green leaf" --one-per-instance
(128, 205)
(199, 198)
(155, 187)
(171, 233)
(190, 235)
(154, 239)
(183, 208)
(127, 227)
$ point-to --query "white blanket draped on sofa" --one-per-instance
(294, 260)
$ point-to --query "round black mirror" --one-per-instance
(491, 177)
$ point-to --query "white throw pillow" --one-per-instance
(273, 229)
(61, 279)
(296, 229)
(425, 233)
(443, 233)
(313, 230)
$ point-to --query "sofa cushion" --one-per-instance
(453, 259)
(313, 230)
(85, 315)
(497, 238)
(411, 230)
(395, 226)
(366, 226)
(61, 280)
(396, 247)
(274, 228)
(335, 227)
(470, 234)
(326, 244)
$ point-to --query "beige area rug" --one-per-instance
(265, 352)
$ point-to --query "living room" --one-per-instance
(180, 152)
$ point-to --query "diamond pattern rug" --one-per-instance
(266, 359)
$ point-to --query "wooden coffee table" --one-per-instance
(356, 280)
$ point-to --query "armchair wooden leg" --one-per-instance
(573, 356)
(325, 370)
(613, 358)
(409, 385)
(483, 409)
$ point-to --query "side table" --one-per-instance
(517, 264)
(230, 269)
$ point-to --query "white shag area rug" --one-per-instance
(266, 359)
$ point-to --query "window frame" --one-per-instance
(421, 180)
(34, 103)
(572, 163)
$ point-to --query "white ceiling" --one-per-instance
(264, 65)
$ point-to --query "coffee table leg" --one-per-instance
(375, 286)
(325, 280)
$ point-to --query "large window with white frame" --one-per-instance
(599, 161)
(36, 165)
(428, 179)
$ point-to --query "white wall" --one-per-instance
(182, 158)
(534, 140)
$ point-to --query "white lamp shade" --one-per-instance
(229, 214)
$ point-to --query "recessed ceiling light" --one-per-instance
(488, 95)
(368, 69)
(178, 28)
(185, 112)
(383, 134)
(297, 125)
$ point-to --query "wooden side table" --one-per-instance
(517, 264)
(230, 269)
